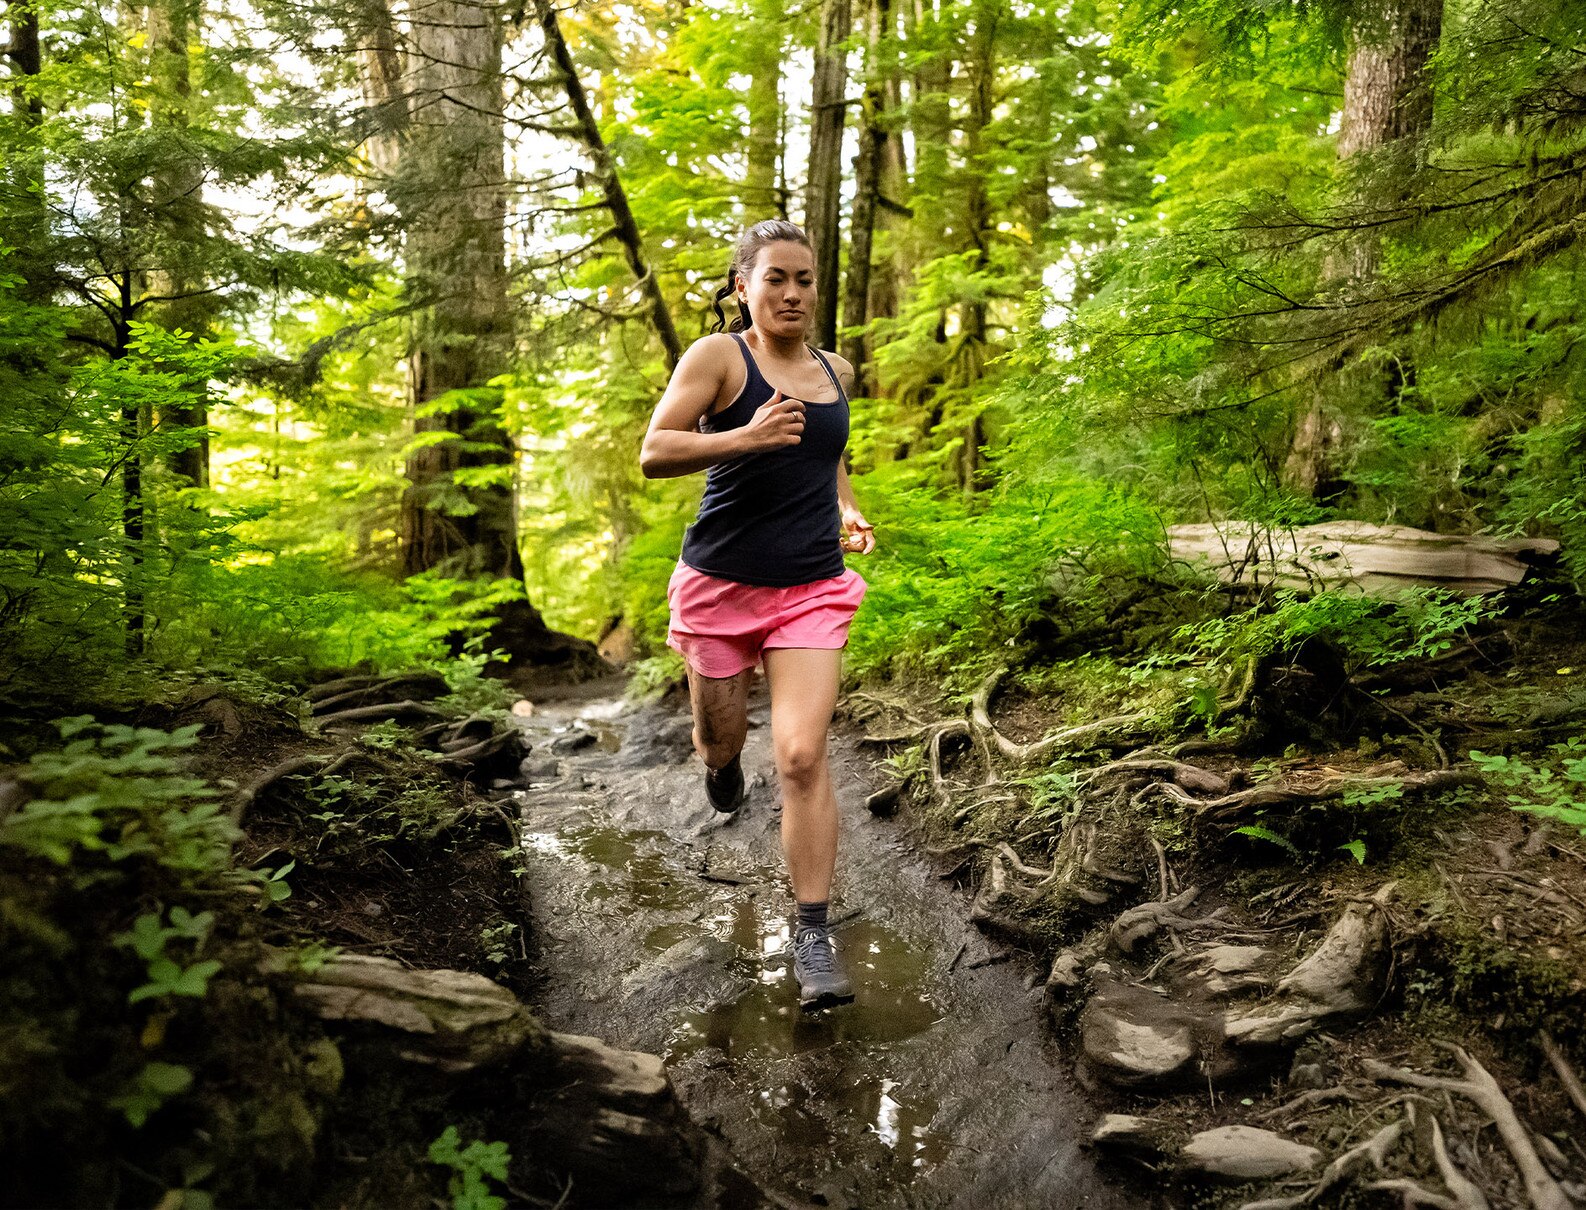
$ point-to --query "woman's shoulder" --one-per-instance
(840, 365)
(711, 351)
(714, 342)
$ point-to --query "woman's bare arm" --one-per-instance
(674, 445)
(858, 537)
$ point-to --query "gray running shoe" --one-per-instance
(724, 786)
(822, 982)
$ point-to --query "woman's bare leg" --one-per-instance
(804, 685)
(721, 715)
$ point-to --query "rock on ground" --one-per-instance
(1246, 1153)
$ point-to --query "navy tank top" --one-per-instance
(772, 518)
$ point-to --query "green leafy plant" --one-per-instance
(118, 794)
(496, 941)
(148, 938)
(1258, 832)
(1555, 790)
(1370, 633)
(154, 1085)
(470, 1167)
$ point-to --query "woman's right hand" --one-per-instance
(776, 423)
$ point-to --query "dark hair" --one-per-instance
(744, 255)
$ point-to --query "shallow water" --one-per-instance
(663, 926)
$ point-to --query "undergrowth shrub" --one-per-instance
(954, 582)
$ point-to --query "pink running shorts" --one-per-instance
(722, 626)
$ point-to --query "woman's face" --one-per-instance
(780, 289)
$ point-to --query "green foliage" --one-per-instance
(472, 1168)
(154, 1085)
(951, 587)
(1553, 789)
(1258, 832)
(1368, 632)
(115, 794)
(148, 938)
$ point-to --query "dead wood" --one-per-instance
(385, 710)
(1479, 1087)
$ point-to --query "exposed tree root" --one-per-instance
(1479, 1087)
(1566, 1073)
(1282, 792)
(912, 736)
(385, 710)
(245, 797)
(483, 750)
(1118, 731)
(1133, 770)
(1373, 1151)
(350, 688)
(1306, 1099)
(937, 736)
(1467, 1194)
(1414, 1195)
(1148, 919)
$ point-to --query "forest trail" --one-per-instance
(660, 925)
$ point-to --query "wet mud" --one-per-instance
(663, 927)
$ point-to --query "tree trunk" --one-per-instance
(380, 74)
(982, 74)
(762, 189)
(452, 198)
(459, 514)
(1387, 103)
(170, 25)
(824, 185)
(24, 224)
(868, 167)
(624, 227)
(931, 118)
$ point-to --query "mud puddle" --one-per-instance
(663, 926)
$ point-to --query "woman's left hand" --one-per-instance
(858, 538)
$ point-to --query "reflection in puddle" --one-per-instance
(633, 879)
(766, 1024)
(847, 1093)
(887, 973)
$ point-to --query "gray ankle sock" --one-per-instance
(812, 915)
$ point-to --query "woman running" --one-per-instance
(761, 576)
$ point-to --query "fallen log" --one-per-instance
(1353, 556)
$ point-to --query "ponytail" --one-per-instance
(740, 322)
